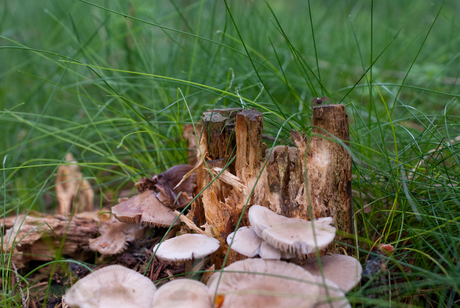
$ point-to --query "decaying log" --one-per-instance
(329, 170)
(39, 238)
(280, 186)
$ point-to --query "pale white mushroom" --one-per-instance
(186, 247)
(330, 295)
(112, 286)
(261, 218)
(263, 283)
(344, 271)
(299, 237)
(182, 293)
(245, 242)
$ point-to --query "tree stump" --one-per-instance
(280, 186)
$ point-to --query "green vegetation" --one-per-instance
(113, 82)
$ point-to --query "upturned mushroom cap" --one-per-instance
(245, 242)
(299, 237)
(111, 286)
(144, 208)
(115, 236)
(186, 247)
(182, 293)
(264, 283)
(330, 295)
(344, 271)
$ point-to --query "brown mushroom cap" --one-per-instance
(344, 271)
(186, 247)
(115, 236)
(111, 286)
(164, 185)
(182, 293)
(299, 237)
(144, 208)
(245, 242)
(330, 295)
(264, 283)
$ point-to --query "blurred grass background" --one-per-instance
(113, 82)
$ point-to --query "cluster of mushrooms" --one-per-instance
(274, 280)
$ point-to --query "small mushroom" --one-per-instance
(261, 218)
(115, 236)
(344, 271)
(186, 247)
(164, 185)
(245, 241)
(145, 209)
(111, 286)
(263, 283)
(182, 293)
(299, 237)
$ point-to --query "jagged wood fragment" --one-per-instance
(73, 191)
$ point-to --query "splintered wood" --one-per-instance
(73, 191)
(280, 186)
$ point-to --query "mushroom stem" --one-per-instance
(189, 268)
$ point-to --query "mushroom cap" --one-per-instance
(344, 271)
(181, 293)
(144, 208)
(111, 286)
(299, 237)
(267, 251)
(186, 247)
(261, 218)
(164, 185)
(264, 283)
(245, 242)
(330, 295)
(115, 236)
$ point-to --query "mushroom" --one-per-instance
(299, 237)
(263, 283)
(145, 209)
(344, 271)
(164, 185)
(115, 236)
(112, 286)
(182, 293)
(186, 247)
(261, 218)
(246, 242)
(330, 295)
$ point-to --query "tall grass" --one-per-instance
(113, 82)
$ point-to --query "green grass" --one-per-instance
(113, 82)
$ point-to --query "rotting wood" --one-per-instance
(329, 171)
(73, 191)
(280, 186)
(39, 238)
